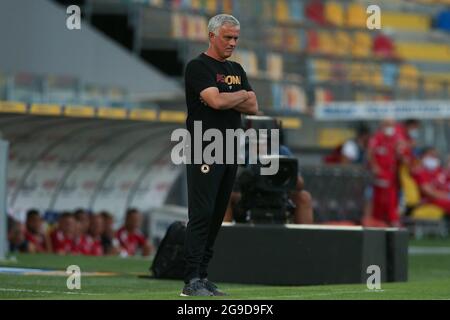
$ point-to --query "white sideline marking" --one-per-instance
(336, 293)
(50, 292)
(305, 226)
(429, 250)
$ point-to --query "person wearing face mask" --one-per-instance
(447, 173)
(382, 159)
(432, 180)
(407, 134)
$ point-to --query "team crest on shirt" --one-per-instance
(205, 168)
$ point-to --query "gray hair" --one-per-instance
(219, 20)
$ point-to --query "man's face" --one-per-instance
(225, 41)
(68, 226)
(388, 127)
(34, 223)
(134, 220)
(97, 226)
(83, 218)
(108, 224)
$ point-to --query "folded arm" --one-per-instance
(432, 192)
(223, 100)
(249, 106)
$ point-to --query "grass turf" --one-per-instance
(429, 278)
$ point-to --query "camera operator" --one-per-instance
(301, 199)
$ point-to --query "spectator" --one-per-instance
(95, 234)
(407, 134)
(82, 241)
(62, 238)
(130, 237)
(83, 217)
(354, 150)
(37, 241)
(383, 165)
(447, 172)
(432, 180)
(110, 244)
(16, 236)
(302, 200)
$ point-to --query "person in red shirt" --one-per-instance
(382, 158)
(62, 238)
(407, 134)
(95, 233)
(432, 180)
(447, 173)
(35, 237)
(83, 241)
(130, 238)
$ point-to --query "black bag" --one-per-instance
(169, 262)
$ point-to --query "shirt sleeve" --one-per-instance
(198, 78)
(142, 240)
(420, 177)
(245, 84)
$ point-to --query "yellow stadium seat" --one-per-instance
(211, 6)
(435, 82)
(361, 96)
(356, 16)
(428, 212)
(343, 43)
(322, 70)
(376, 76)
(432, 85)
(292, 40)
(281, 11)
(408, 77)
(359, 73)
(354, 72)
(274, 66)
(406, 21)
(177, 23)
(326, 42)
(196, 4)
(157, 3)
(227, 6)
(334, 13)
(361, 45)
(248, 60)
(276, 37)
(432, 52)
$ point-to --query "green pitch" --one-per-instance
(429, 278)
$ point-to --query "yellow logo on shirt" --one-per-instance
(229, 80)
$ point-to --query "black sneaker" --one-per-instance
(195, 287)
(212, 288)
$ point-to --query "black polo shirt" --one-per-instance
(228, 76)
(204, 72)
